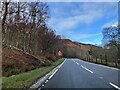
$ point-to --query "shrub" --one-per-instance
(51, 57)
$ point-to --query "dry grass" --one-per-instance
(15, 62)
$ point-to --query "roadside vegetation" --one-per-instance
(15, 62)
(27, 41)
(30, 48)
(107, 54)
(24, 80)
(24, 26)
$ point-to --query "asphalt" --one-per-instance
(75, 73)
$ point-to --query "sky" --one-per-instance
(82, 21)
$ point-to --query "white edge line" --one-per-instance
(87, 69)
(46, 81)
(114, 86)
(39, 88)
(53, 74)
(56, 70)
(41, 80)
(62, 64)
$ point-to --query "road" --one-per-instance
(75, 73)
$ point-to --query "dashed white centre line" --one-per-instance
(73, 61)
(114, 86)
(87, 69)
(77, 63)
(101, 77)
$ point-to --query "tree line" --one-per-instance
(109, 52)
(24, 26)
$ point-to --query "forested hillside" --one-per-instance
(24, 27)
(27, 41)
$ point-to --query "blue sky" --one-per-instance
(82, 21)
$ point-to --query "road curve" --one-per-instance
(75, 73)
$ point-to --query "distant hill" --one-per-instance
(82, 46)
(76, 49)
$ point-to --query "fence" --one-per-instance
(104, 60)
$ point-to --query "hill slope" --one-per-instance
(83, 46)
(14, 62)
(75, 49)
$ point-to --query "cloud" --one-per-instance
(81, 36)
(77, 14)
(112, 23)
(86, 38)
(71, 22)
(80, 21)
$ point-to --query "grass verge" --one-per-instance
(24, 80)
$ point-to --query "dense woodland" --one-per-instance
(24, 27)
(27, 41)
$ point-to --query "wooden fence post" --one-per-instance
(106, 58)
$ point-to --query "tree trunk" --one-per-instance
(4, 17)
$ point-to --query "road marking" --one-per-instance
(99, 65)
(43, 85)
(114, 86)
(53, 74)
(56, 70)
(101, 77)
(73, 61)
(39, 88)
(62, 64)
(87, 69)
(46, 81)
(77, 63)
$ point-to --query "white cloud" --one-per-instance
(86, 13)
(65, 22)
(85, 38)
(81, 36)
(112, 23)
(69, 23)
